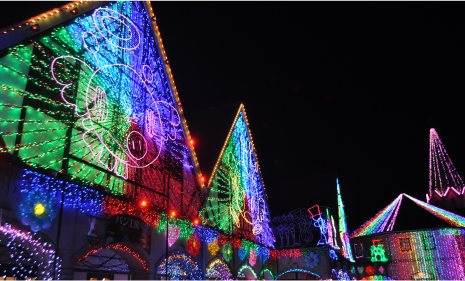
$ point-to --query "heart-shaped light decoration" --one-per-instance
(360, 269)
(173, 234)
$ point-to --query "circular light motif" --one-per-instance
(39, 209)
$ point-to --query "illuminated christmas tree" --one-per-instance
(442, 173)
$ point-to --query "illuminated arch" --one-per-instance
(246, 275)
(298, 270)
(128, 251)
(264, 276)
(180, 267)
(218, 269)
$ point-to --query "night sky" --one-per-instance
(331, 89)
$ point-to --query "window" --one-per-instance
(405, 244)
(358, 250)
(429, 242)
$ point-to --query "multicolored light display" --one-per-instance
(380, 221)
(218, 270)
(343, 231)
(94, 101)
(447, 216)
(180, 267)
(442, 172)
(237, 196)
(433, 255)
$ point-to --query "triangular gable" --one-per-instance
(98, 105)
(237, 198)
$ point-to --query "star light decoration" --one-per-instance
(193, 244)
(213, 246)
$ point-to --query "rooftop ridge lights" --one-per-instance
(343, 231)
(162, 51)
(379, 221)
(450, 218)
(442, 172)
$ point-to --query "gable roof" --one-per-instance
(379, 223)
(237, 199)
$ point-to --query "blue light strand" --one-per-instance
(77, 196)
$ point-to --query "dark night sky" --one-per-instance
(329, 88)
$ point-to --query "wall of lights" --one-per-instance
(437, 254)
(237, 195)
(93, 99)
(429, 255)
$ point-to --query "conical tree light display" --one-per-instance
(343, 232)
(442, 173)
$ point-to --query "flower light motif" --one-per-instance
(227, 251)
(120, 96)
(213, 246)
(38, 210)
(370, 270)
(253, 257)
(193, 244)
(312, 259)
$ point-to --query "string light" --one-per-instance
(227, 252)
(379, 222)
(442, 173)
(218, 270)
(173, 234)
(238, 183)
(264, 272)
(314, 275)
(240, 271)
(343, 231)
(180, 266)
